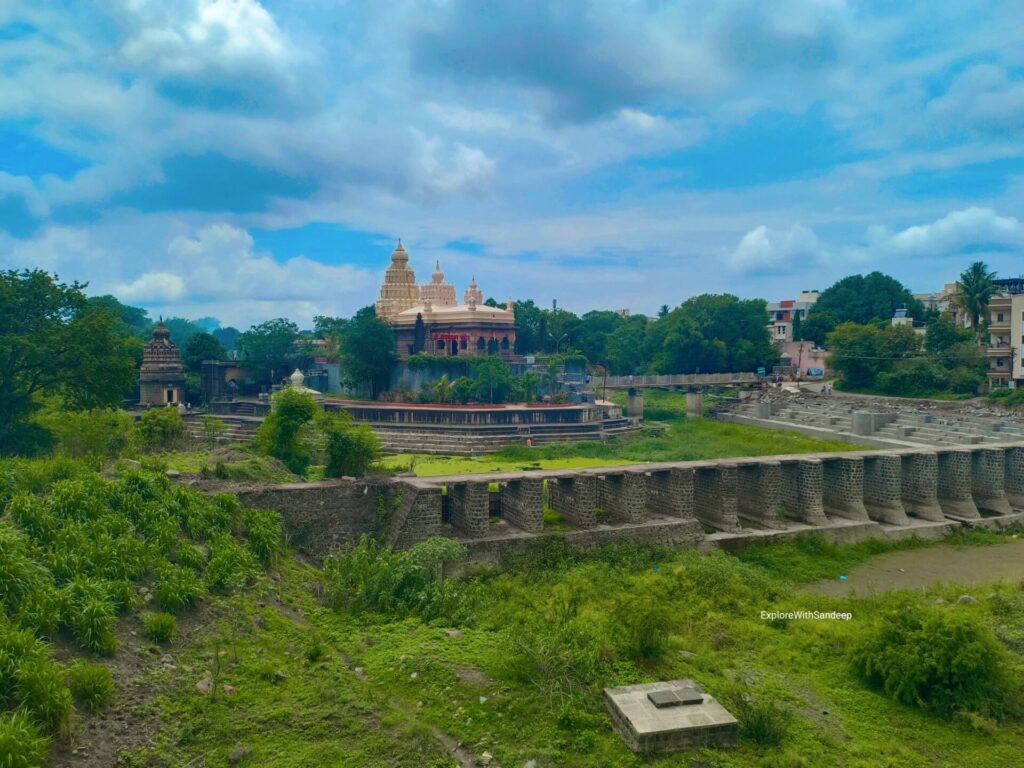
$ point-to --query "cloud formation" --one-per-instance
(775, 250)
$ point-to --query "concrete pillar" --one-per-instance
(883, 489)
(470, 507)
(759, 493)
(670, 492)
(694, 405)
(843, 487)
(988, 478)
(763, 410)
(522, 504)
(921, 485)
(955, 495)
(635, 404)
(803, 490)
(623, 497)
(575, 499)
(1014, 479)
(714, 496)
(862, 422)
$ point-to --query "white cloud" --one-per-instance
(152, 288)
(775, 250)
(984, 97)
(955, 232)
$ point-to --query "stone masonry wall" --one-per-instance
(802, 489)
(988, 478)
(522, 503)
(575, 498)
(470, 507)
(623, 497)
(955, 495)
(921, 485)
(883, 489)
(714, 496)
(423, 520)
(1014, 479)
(670, 492)
(759, 493)
(843, 487)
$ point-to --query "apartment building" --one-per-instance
(1005, 316)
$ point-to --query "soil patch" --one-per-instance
(923, 568)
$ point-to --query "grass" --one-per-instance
(683, 441)
(521, 677)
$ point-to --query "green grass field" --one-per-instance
(678, 439)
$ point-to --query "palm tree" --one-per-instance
(975, 288)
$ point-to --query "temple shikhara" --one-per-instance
(162, 378)
(428, 318)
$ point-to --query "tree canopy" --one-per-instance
(201, 346)
(366, 346)
(974, 289)
(54, 341)
(865, 299)
(269, 348)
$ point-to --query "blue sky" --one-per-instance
(248, 160)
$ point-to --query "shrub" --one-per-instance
(161, 429)
(99, 432)
(29, 513)
(231, 566)
(17, 646)
(91, 684)
(19, 573)
(280, 434)
(159, 627)
(943, 660)
(762, 720)
(643, 622)
(351, 448)
(40, 610)
(211, 430)
(176, 587)
(263, 532)
(21, 743)
(40, 688)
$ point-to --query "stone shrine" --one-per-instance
(162, 377)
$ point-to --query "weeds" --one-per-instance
(92, 685)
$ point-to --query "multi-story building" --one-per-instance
(946, 301)
(1005, 316)
(782, 313)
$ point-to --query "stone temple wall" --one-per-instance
(886, 493)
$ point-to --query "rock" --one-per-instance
(172, 473)
(453, 633)
(486, 759)
(275, 576)
(279, 676)
(414, 675)
(228, 689)
(483, 699)
(132, 463)
(205, 686)
(166, 659)
(530, 764)
(966, 600)
(687, 654)
(940, 601)
(239, 754)
(259, 622)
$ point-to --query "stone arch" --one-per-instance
(480, 344)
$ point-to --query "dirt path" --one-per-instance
(921, 568)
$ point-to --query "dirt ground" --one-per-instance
(922, 568)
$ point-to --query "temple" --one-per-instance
(428, 319)
(162, 378)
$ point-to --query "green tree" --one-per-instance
(351, 448)
(367, 351)
(181, 330)
(865, 299)
(626, 346)
(974, 289)
(798, 323)
(201, 346)
(817, 325)
(492, 379)
(135, 319)
(280, 434)
(854, 354)
(592, 332)
(52, 341)
(270, 347)
(530, 328)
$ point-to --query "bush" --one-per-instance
(91, 684)
(643, 622)
(280, 434)
(231, 566)
(762, 720)
(40, 610)
(945, 660)
(161, 429)
(351, 448)
(40, 688)
(263, 532)
(21, 743)
(177, 588)
(159, 627)
(99, 432)
(89, 613)
(212, 430)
